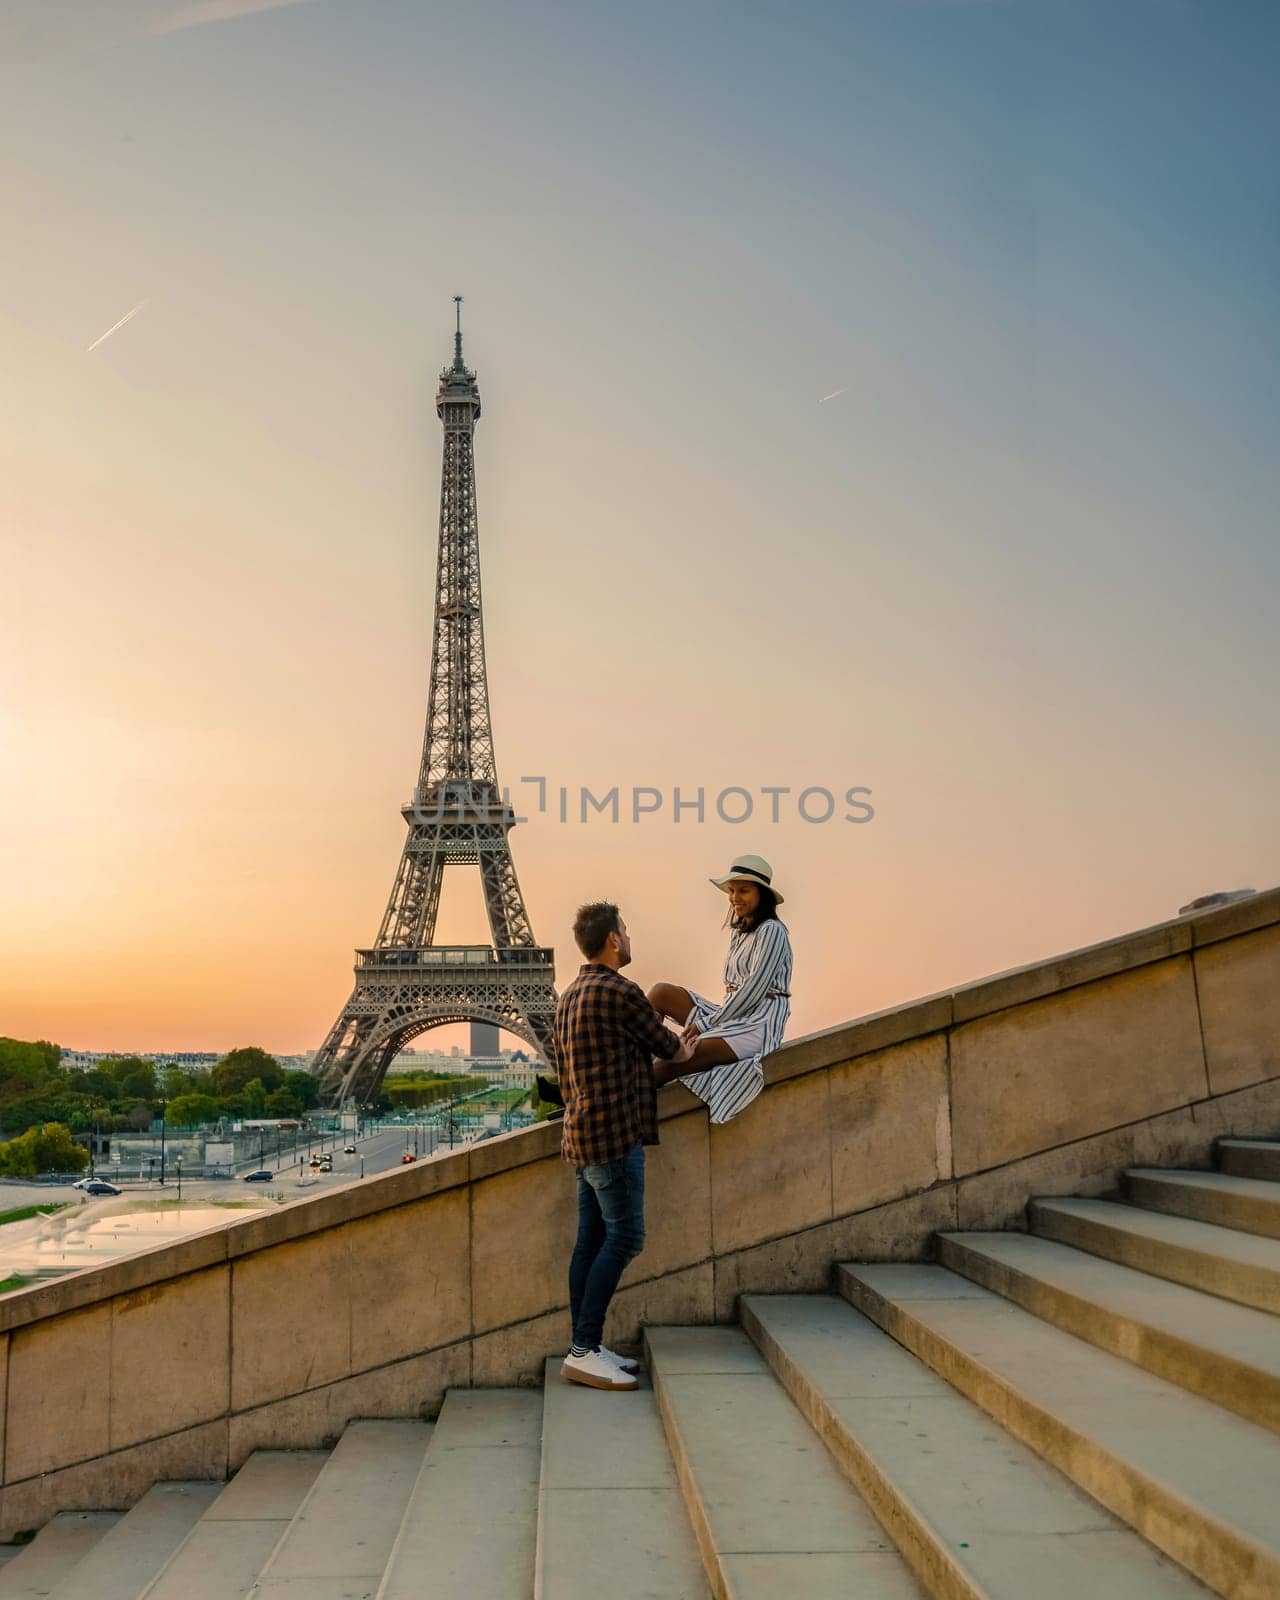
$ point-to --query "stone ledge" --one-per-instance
(812, 1053)
(832, 1047)
(1241, 916)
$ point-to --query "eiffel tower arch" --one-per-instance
(406, 983)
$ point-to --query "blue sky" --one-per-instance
(1019, 573)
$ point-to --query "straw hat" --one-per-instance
(749, 869)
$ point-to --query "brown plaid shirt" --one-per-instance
(607, 1035)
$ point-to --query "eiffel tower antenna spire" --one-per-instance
(406, 982)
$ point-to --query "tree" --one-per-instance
(118, 1068)
(48, 1148)
(27, 1064)
(239, 1067)
(140, 1117)
(304, 1087)
(188, 1109)
(141, 1084)
(283, 1103)
(254, 1095)
(174, 1081)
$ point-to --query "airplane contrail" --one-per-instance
(834, 395)
(115, 327)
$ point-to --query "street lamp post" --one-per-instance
(162, 1111)
(178, 1164)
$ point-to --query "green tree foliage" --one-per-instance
(118, 1068)
(48, 1148)
(254, 1095)
(283, 1103)
(174, 1081)
(119, 1094)
(140, 1084)
(405, 1093)
(186, 1110)
(303, 1087)
(238, 1068)
(27, 1064)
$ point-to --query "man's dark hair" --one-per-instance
(593, 925)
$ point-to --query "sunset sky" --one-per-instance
(879, 393)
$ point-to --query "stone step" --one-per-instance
(470, 1526)
(977, 1515)
(1221, 1261)
(54, 1554)
(338, 1543)
(1228, 1353)
(221, 1557)
(128, 1556)
(611, 1517)
(772, 1512)
(1250, 1158)
(1248, 1204)
(1195, 1480)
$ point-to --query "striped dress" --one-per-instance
(750, 1019)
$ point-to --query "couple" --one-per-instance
(607, 1031)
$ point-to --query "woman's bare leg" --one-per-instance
(670, 1000)
(707, 1053)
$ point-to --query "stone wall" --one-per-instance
(374, 1299)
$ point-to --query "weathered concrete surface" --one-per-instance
(1221, 1261)
(1240, 1008)
(227, 1549)
(1228, 1353)
(766, 1500)
(1054, 1070)
(340, 1538)
(470, 1527)
(974, 1512)
(1250, 1158)
(54, 1554)
(1250, 1204)
(132, 1552)
(948, 1112)
(611, 1518)
(1196, 1481)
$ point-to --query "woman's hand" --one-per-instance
(691, 1033)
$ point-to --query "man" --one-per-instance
(606, 1035)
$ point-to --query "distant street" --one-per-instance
(293, 1177)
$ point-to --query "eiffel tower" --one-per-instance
(458, 816)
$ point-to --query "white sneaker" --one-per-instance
(625, 1362)
(597, 1371)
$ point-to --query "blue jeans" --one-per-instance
(610, 1233)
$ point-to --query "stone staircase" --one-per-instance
(1090, 1409)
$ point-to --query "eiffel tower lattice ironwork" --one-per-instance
(407, 983)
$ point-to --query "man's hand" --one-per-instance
(691, 1032)
(665, 1072)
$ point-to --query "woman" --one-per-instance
(732, 1036)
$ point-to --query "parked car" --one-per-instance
(83, 1183)
(99, 1186)
(260, 1176)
